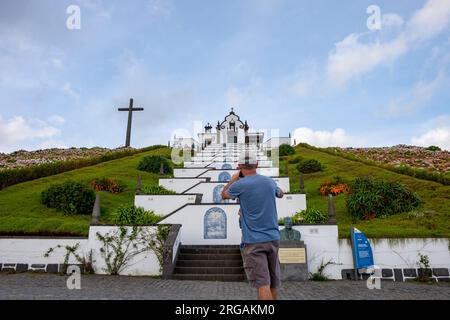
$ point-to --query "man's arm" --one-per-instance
(233, 179)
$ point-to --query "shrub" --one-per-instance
(131, 215)
(433, 148)
(285, 150)
(334, 187)
(69, 197)
(153, 164)
(371, 198)
(295, 160)
(425, 274)
(309, 166)
(154, 189)
(313, 215)
(319, 275)
(106, 184)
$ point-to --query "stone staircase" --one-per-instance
(209, 262)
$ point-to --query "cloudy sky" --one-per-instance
(314, 69)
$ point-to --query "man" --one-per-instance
(259, 224)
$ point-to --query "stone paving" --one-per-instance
(48, 286)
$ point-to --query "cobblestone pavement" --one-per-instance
(47, 286)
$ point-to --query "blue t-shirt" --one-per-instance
(259, 219)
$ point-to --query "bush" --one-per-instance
(132, 215)
(433, 148)
(153, 164)
(285, 150)
(310, 166)
(106, 184)
(310, 215)
(369, 198)
(295, 160)
(154, 189)
(69, 197)
(313, 215)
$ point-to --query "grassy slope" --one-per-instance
(435, 222)
(22, 212)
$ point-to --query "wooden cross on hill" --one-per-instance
(130, 110)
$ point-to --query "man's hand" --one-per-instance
(234, 178)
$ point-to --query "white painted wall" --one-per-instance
(190, 164)
(282, 182)
(214, 173)
(207, 188)
(179, 185)
(163, 204)
(290, 204)
(218, 165)
(145, 263)
(321, 244)
(401, 253)
(192, 219)
(188, 172)
(268, 171)
(32, 250)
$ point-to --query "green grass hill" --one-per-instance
(22, 213)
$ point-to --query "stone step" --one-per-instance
(201, 250)
(209, 270)
(209, 263)
(207, 256)
(210, 277)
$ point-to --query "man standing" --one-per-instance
(259, 223)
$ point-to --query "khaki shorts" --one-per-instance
(261, 264)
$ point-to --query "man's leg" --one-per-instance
(265, 293)
(274, 268)
(274, 292)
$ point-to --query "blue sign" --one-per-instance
(215, 224)
(362, 251)
(224, 176)
(226, 166)
(217, 194)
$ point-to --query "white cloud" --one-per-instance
(57, 120)
(68, 90)
(352, 58)
(336, 138)
(17, 130)
(391, 20)
(438, 137)
(161, 8)
(301, 88)
(234, 97)
(420, 95)
(48, 144)
(435, 131)
(57, 63)
(430, 20)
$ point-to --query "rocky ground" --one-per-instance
(417, 157)
(22, 158)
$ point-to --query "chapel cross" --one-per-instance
(130, 110)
